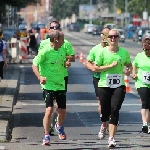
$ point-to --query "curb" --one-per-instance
(9, 99)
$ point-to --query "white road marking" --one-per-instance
(76, 104)
(2, 147)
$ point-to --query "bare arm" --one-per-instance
(128, 69)
(104, 68)
(36, 71)
(89, 65)
(134, 70)
(71, 58)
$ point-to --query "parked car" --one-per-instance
(110, 25)
(88, 28)
(74, 27)
(122, 35)
(38, 25)
(23, 26)
(11, 33)
(129, 31)
(146, 34)
(137, 36)
(97, 30)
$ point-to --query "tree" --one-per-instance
(134, 6)
(19, 3)
(66, 8)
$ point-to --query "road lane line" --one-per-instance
(76, 104)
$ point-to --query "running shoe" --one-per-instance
(60, 130)
(111, 143)
(107, 129)
(51, 131)
(46, 141)
(148, 129)
(56, 119)
(145, 129)
(102, 132)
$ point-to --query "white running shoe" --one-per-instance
(148, 130)
(102, 132)
(111, 143)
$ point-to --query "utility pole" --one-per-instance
(115, 17)
(126, 12)
(91, 17)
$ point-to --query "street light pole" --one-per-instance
(91, 14)
(126, 11)
(145, 5)
(114, 11)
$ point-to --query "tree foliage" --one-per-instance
(66, 8)
(135, 6)
(19, 3)
(16, 3)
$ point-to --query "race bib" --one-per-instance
(114, 80)
(146, 77)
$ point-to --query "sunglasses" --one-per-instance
(55, 27)
(113, 36)
(146, 50)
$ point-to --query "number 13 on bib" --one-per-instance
(146, 77)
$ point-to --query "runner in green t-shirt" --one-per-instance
(49, 66)
(110, 62)
(141, 75)
(70, 54)
(90, 61)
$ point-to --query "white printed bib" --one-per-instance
(146, 77)
(113, 80)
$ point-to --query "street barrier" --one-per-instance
(24, 51)
(13, 49)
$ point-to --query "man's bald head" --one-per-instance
(57, 38)
(55, 34)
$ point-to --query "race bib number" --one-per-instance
(114, 80)
(146, 77)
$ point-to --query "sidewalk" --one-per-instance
(9, 87)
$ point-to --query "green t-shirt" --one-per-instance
(67, 46)
(43, 44)
(142, 62)
(92, 55)
(69, 52)
(112, 77)
(51, 66)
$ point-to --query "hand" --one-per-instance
(127, 71)
(115, 63)
(5, 65)
(134, 76)
(42, 80)
(68, 63)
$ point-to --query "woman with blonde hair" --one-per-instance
(111, 87)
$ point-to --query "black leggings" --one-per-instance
(144, 93)
(1, 69)
(111, 100)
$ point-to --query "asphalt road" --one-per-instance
(82, 121)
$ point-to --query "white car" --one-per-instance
(146, 34)
(88, 28)
(122, 35)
